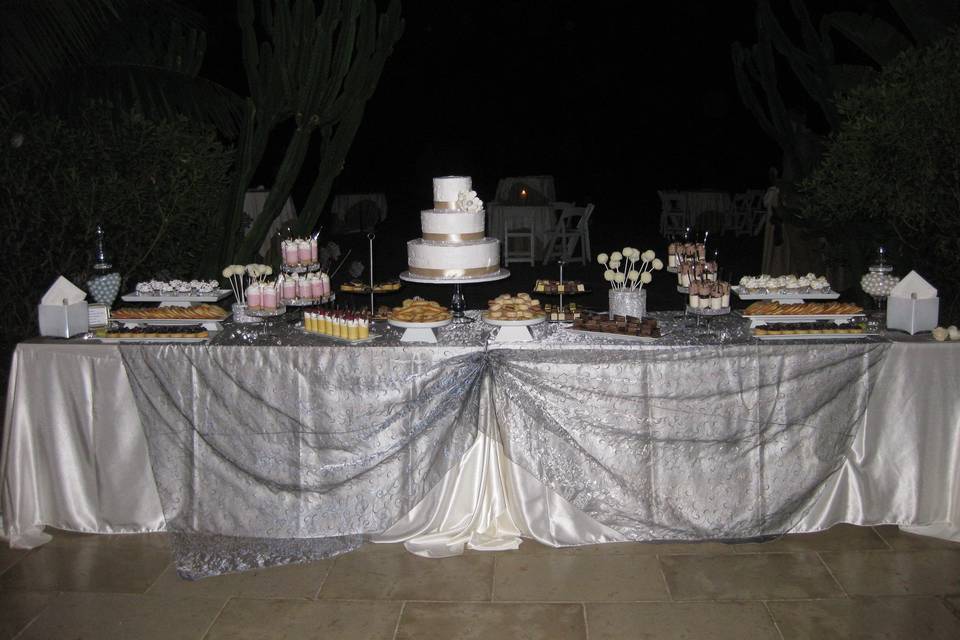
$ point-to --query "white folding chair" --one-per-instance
(739, 219)
(673, 213)
(572, 231)
(519, 241)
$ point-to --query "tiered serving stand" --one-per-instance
(371, 290)
(798, 297)
(176, 300)
(560, 293)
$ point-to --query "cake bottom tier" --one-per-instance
(433, 259)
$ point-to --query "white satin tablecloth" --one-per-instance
(75, 457)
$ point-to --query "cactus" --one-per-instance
(318, 70)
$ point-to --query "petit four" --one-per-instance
(620, 325)
(566, 313)
(555, 287)
(518, 307)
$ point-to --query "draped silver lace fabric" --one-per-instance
(270, 446)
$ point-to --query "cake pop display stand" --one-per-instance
(419, 331)
(457, 304)
(513, 330)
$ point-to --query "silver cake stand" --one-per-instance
(457, 304)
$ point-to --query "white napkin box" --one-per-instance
(64, 320)
(913, 315)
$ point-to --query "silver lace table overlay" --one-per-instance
(712, 442)
(271, 455)
(272, 446)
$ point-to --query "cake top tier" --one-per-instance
(447, 189)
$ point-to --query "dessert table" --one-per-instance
(269, 446)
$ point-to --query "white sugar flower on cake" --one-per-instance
(468, 201)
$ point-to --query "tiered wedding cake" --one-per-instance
(453, 243)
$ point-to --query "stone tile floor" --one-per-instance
(848, 582)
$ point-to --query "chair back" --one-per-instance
(672, 202)
(742, 202)
(585, 217)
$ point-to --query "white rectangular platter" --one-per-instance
(372, 336)
(817, 336)
(133, 340)
(216, 296)
(166, 322)
(839, 318)
(785, 295)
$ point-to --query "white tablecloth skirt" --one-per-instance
(75, 458)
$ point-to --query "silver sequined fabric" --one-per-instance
(272, 446)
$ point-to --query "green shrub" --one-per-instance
(891, 173)
(155, 186)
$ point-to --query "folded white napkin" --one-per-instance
(63, 292)
(913, 286)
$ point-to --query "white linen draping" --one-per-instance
(74, 452)
(544, 219)
(903, 466)
(74, 457)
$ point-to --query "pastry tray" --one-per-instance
(367, 291)
(138, 339)
(215, 296)
(841, 318)
(557, 293)
(167, 322)
(371, 337)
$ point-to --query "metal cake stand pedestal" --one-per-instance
(457, 303)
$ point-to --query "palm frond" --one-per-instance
(38, 38)
(156, 91)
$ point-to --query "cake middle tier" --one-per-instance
(451, 226)
(472, 258)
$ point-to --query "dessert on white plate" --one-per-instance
(764, 283)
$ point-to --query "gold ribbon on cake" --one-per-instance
(444, 205)
(453, 237)
(454, 273)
